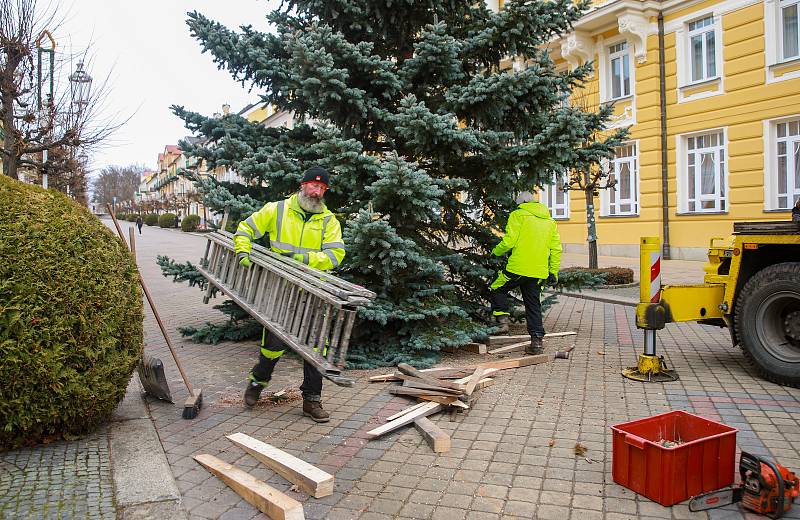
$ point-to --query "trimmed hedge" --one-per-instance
(613, 275)
(122, 216)
(151, 219)
(190, 223)
(131, 217)
(70, 317)
(167, 220)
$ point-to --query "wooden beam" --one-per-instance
(436, 438)
(310, 479)
(517, 362)
(263, 497)
(415, 392)
(422, 411)
(511, 348)
(476, 348)
(438, 373)
(473, 381)
(403, 412)
(499, 341)
(435, 384)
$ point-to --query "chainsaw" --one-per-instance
(766, 488)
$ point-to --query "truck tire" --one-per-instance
(767, 322)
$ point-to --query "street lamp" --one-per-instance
(45, 71)
(80, 84)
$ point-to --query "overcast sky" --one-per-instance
(153, 63)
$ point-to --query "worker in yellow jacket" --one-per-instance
(535, 245)
(303, 228)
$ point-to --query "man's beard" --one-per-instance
(310, 204)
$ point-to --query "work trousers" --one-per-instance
(271, 350)
(530, 288)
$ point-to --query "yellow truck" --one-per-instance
(752, 287)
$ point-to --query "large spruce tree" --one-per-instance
(428, 130)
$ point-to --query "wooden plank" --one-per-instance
(422, 411)
(517, 362)
(450, 349)
(435, 384)
(436, 438)
(448, 400)
(414, 392)
(473, 381)
(511, 348)
(403, 412)
(310, 479)
(439, 373)
(475, 348)
(499, 341)
(409, 370)
(263, 497)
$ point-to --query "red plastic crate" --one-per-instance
(704, 461)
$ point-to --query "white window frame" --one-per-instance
(624, 55)
(683, 54)
(771, 164)
(721, 198)
(785, 4)
(773, 40)
(604, 58)
(609, 207)
(703, 32)
(547, 197)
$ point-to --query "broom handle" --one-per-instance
(153, 307)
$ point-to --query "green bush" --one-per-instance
(167, 220)
(613, 275)
(190, 223)
(70, 317)
(151, 219)
(131, 217)
(122, 216)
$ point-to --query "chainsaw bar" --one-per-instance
(715, 499)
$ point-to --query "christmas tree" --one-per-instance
(429, 132)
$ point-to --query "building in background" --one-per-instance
(730, 125)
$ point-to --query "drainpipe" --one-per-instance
(662, 86)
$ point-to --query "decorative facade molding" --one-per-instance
(577, 48)
(635, 27)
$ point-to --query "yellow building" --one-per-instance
(725, 109)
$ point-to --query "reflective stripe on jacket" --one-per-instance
(534, 242)
(317, 236)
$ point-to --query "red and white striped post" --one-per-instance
(649, 286)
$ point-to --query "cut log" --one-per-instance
(310, 479)
(263, 497)
(511, 348)
(475, 348)
(473, 381)
(436, 438)
(422, 411)
(403, 412)
(517, 362)
(415, 392)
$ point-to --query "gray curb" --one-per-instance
(144, 486)
(602, 299)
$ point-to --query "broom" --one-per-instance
(195, 400)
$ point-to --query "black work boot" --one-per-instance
(535, 348)
(252, 393)
(502, 324)
(314, 410)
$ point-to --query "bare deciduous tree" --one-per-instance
(43, 139)
(121, 182)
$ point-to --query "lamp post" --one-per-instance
(80, 85)
(45, 72)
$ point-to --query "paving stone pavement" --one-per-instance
(501, 464)
(512, 454)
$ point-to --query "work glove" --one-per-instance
(299, 257)
(245, 261)
(552, 280)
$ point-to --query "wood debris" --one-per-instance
(580, 449)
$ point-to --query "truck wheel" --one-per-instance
(767, 322)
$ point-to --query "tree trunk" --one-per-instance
(591, 227)
(10, 165)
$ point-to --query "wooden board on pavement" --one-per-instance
(436, 438)
(403, 412)
(263, 497)
(511, 348)
(423, 411)
(310, 479)
(517, 362)
(499, 341)
(475, 348)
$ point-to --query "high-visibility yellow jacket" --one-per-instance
(316, 236)
(534, 242)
